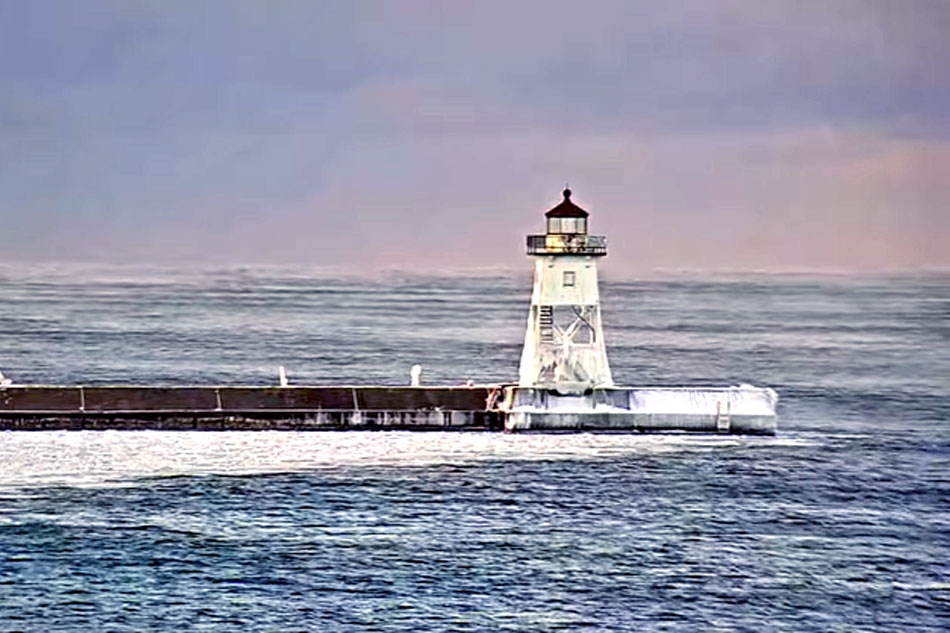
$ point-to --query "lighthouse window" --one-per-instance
(568, 278)
(567, 225)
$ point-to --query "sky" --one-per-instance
(700, 135)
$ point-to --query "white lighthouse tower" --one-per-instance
(564, 342)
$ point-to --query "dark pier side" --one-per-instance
(250, 408)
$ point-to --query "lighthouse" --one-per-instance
(564, 381)
(564, 346)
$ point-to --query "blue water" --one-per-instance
(840, 523)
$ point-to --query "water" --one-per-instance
(840, 523)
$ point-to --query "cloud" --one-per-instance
(703, 134)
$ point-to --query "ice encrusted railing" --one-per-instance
(567, 244)
(741, 400)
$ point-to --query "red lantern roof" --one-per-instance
(567, 209)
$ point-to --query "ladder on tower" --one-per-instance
(546, 322)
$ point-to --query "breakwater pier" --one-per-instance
(248, 408)
(430, 408)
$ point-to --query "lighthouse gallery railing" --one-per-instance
(567, 244)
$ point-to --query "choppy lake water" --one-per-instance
(840, 523)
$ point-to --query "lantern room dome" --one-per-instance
(567, 209)
(567, 233)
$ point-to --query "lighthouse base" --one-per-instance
(738, 410)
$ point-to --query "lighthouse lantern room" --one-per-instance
(564, 341)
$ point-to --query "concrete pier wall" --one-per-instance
(247, 408)
(638, 422)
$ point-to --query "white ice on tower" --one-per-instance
(564, 341)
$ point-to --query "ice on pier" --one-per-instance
(744, 409)
(742, 400)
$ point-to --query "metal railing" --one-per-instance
(567, 244)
